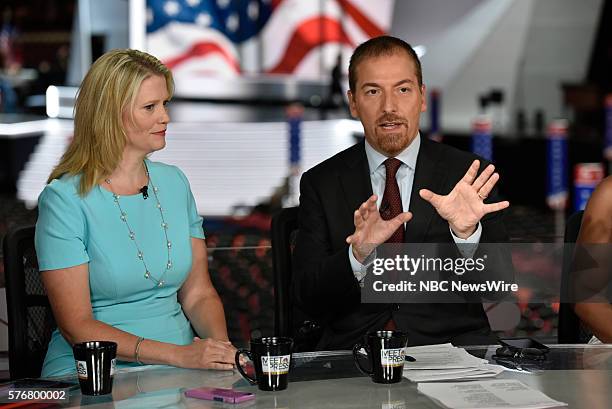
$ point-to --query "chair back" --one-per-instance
(284, 226)
(289, 321)
(31, 321)
(570, 329)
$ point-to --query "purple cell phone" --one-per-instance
(219, 395)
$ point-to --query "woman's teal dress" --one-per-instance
(73, 230)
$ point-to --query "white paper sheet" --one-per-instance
(442, 357)
(429, 375)
(446, 362)
(491, 394)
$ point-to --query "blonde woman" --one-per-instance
(119, 241)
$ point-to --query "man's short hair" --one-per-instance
(376, 47)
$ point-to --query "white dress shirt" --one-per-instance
(405, 179)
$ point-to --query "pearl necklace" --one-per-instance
(159, 282)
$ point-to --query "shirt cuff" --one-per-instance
(464, 247)
(359, 270)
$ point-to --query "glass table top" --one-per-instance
(580, 375)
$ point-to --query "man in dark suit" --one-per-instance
(348, 204)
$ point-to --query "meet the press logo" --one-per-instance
(392, 357)
(275, 365)
(81, 367)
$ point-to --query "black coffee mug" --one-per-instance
(271, 357)
(385, 350)
(95, 363)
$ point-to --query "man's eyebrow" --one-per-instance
(370, 84)
(408, 80)
(373, 84)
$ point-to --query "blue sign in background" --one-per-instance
(581, 196)
(482, 140)
(295, 125)
(586, 178)
(556, 166)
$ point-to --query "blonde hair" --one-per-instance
(110, 86)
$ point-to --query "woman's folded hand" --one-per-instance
(207, 354)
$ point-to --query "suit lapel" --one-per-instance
(429, 174)
(355, 177)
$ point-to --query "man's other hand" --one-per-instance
(371, 230)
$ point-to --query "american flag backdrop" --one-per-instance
(229, 38)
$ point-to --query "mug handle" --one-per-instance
(239, 367)
(356, 349)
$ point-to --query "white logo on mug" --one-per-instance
(81, 369)
(392, 357)
(275, 365)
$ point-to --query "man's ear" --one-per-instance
(352, 104)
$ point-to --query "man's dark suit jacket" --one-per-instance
(323, 282)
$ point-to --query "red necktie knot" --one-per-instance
(392, 165)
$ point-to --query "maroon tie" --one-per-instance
(391, 204)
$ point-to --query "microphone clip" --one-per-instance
(145, 192)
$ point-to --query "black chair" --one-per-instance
(289, 321)
(31, 321)
(570, 329)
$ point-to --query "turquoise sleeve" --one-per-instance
(60, 230)
(195, 221)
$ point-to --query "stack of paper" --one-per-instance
(446, 362)
(503, 393)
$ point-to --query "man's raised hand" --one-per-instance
(371, 229)
(464, 206)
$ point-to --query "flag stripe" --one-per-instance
(283, 23)
(306, 37)
(200, 50)
(367, 25)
